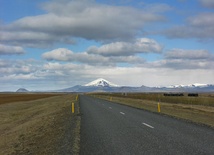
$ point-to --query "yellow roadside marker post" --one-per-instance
(110, 98)
(72, 107)
(159, 107)
(76, 97)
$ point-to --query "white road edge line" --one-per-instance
(148, 125)
(122, 113)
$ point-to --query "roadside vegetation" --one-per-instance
(38, 124)
(198, 109)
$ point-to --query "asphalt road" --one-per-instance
(109, 128)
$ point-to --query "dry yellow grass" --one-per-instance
(34, 127)
(16, 97)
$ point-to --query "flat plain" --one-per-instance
(36, 123)
(42, 123)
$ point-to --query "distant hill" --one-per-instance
(22, 90)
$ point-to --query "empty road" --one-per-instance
(112, 129)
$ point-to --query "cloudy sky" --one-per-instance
(54, 44)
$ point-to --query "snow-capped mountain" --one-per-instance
(101, 82)
(199, 85)
(102, 85)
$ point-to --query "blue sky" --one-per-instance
(54, 44)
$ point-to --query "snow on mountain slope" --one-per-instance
(197, 85)
(175, 86)
(189, 86)
(101, 82)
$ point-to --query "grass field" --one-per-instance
(196, 109)
(203, 99)
(36, 123)
(16, 97)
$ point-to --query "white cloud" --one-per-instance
(19, 77)
(9, 50)
(54, 75)
(63, 54)
(179, 64)
(200, 27)
(31, 38)
(142, 45)
(207, 3)
(84, 19)
(188, 54)
(4, 63)
(117, 59)
(180, 59)
(60, 54)
(204, 19)
(134, 76)
(157, 7)
(8, 67)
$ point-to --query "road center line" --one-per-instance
(122, 113)
(148, 125)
